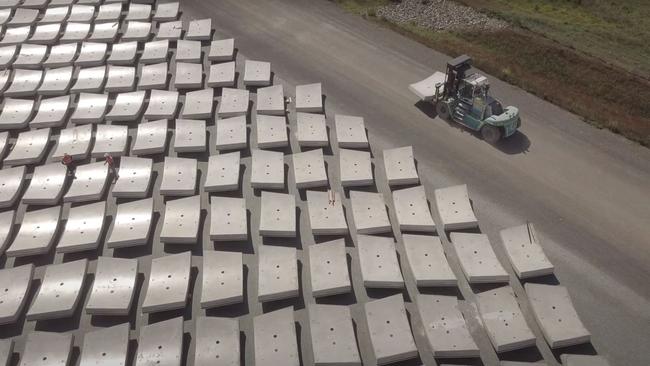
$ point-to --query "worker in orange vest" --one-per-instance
(69, 164)
(111, 165)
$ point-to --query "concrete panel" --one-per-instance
(108, 12)
(75, 142)
(426, 89)
(222, 50)
(170, 31)
(161, 344)
(271, 131)
(199, 30)
(270, 100)
(332, 335)
(556, 316)
(168, 283)
(222, 281)
(52, 112)
(400, 168)
(189, 136)
(6, 351)
(61, 55)
(106, 346)
(105, 32)
(369, 213)
(91, 54)
(309, 169)
(91, 108)
(111, 139)
(6, 228)
(36, 233)
(46, 185)
(198, 104)
(31, 56)
(14, 284)
(83, 228)
(454, 208)
(231, 133)
(234, 102)
(60, 291)
(223, 172)
(75, 32)
(188, 75)
(124, 53)
(181, 222)
(427, 261)
(12, 183)
(47, 349)
(412, 210)
(312, 130)
(23, 16)
(188, 51)
(477, 259)
(166, 12)
(155, 52)
(222, 75)
(355, 168)
(153, 76)
(503, 320)
(90, 183)
(267, 169)
(525, 252)
(328, 269)
(137, 31)
(114, 286)
(179, 177)
(55, 15)
(277, 215)
(15, 36)
(228, 219)
(90, 79)
(84, 13)
(162, 104)
(120, 79)
(138, 12)
(132, 224)
(378, 262)
(275, 339)
(390, 332)
(151, 138)
(46, 34)
(309, 98)
(277, 273)
(326, 215)
(445, 327)
(134, 177)
(16, 113)
(56, 81)
(217, 342)
(583, 360)
(30, 147)
(257, 73)
(350, 131)
(8, 55)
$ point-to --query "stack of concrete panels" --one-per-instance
(400, 167)
(106, 346)
(83, 228)
(45, 348)
(232, 133)
(311, 130)
(277, 215)
(30, 147)
(328, 266)
(198, 104)
(161, 343)
(428, 261)
(162, 104)
(46, 185)
(355, 168)
(190, 136)
(168, 283)
(309, 169)
(378, 262)
(222, 50)
(114, 286)
(332, 335)
(129, 106)
(326, 216)
(151, 138)
(234, 102)
(36, 234)
(454, 208)
(222, 75)
(181, 221)
(350, 132)
(268, 169)
(477, 259)
(52, 112)
(179, 177)
(217, 342)
(270, 100)
(525, 252)
(412, 210)
(390, 331)
(223, 172)
(74, 142)
(271, 131)
(309, 98)
(90, 183)
(369, 212)
(222, 281)
(257, 73)
(91, 108)
(154, 52)
(277, 273)
(228, 219)
(60, 291)
(110, 139)
(134, 177)
(275, 339)
(15, 284)
(132, 224)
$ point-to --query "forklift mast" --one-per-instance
(456, 70)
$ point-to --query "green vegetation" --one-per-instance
(588, 56)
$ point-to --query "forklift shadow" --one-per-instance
(515, 144)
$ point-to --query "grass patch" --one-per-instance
(605, 94)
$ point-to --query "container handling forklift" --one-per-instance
(464, 98)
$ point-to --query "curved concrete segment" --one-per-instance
(124, 53)
(168, 283)
(199, 30)
(427, 261)
(454, 208)
(91, 54)
(222, 75)
(326, 215)
(477, 259)
(61, 55)
(114, 286)
(369, 213)
(328, 269)
(270, 100)
(583, 360)
(198, 104)
(46, 34)
(275, 339)
(151, 138)
(277, 215)
(74, 142)
(106, 12)
(75, 32)
(332, 335)
(271, 131)
(217, 342)
(170, 31)
(400, 168)
(128, 106)
(138, 11)
(47, 349)
(90, 80)
(222, 281)
(132, 224)
(30, 147)
(189, 136)
(91, 108)
(162, 105)
(188, 51)
(179, 177)
(36, 234)
(104, 32)
(378, 261)
(412, 210)
(134, 177)
(390, 331)
(267, 170)
(350, 132)
(228, 219)
(16, 113)
(89, 184)
(46, 185)
(309, 169)
(106, 347)
(31, 56)
(355, 168)
(60, 291)
(166, 11)
(137, 31)
(312, 130)
(445, 327)
(277, 273)
(187, 76)
(232, 133)
(155, 51)
(51, 112)
(525, 252)
(181, 221)
(14, 288)
(222, 50)
(223, 172)
(556, 316)
(503, 320)
(24, 83)
(161, 344)
(83, 228)
(6, 228)
(234, 102)
(309, 98)
(426, 89)
(257, 73)
(13, 180)
(110, 139)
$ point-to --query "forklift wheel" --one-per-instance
(443, 110)
(491, 134)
